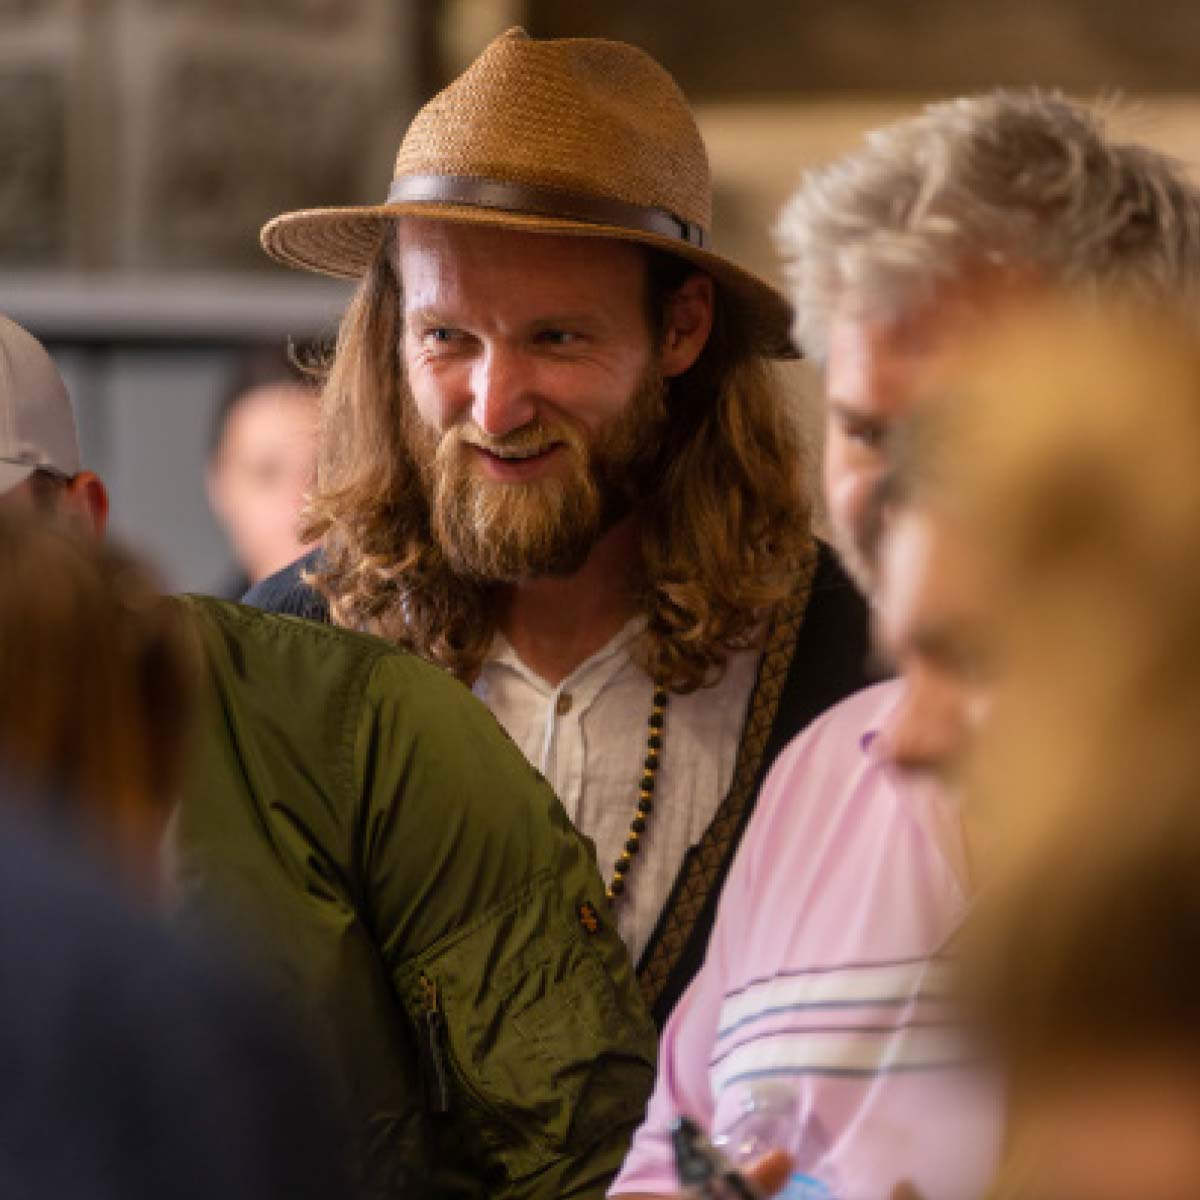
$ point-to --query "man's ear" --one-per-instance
(87, 500)
(689, 321)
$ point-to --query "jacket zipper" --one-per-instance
(438, 1063)
(430, 1034)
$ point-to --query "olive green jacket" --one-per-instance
(412, 894)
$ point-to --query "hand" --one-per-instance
(770, 1173)
(767, 1174)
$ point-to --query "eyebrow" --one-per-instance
(553, 320)
(426, 316)
(844, 408)
(568, 318)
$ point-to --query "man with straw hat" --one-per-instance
(555, 461)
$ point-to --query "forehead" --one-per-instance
(271, 409)
(876, 365)
(446, 261)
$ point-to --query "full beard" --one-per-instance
(497, 531)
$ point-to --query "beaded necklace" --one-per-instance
(645, 801)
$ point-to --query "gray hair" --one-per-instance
(1022, 178)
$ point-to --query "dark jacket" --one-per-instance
(816, 654)
(134, 1069)
(417, 902)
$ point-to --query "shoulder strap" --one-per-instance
(815, 655)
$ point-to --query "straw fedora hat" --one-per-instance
(574, 136)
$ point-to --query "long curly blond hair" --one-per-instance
(724, 522)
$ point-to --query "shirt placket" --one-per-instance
(560, 749)
(565, 745)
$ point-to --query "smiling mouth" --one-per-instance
(515, 454)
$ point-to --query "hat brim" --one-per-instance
(343, 242)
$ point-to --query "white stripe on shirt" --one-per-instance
(844, 987)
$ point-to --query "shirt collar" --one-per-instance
(607, 660)
(941, 812)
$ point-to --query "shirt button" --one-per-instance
(563, 704)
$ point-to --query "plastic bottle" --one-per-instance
(769, 1120)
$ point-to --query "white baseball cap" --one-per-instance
(37, 426)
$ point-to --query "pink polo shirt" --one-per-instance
(824, 972)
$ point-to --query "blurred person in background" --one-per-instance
(555, 460)
(1083, 440)
(358, 832)
(262, 463)
(854, 872)
(39, 448)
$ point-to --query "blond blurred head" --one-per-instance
(1068, 444)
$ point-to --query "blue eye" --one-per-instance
(557, 337)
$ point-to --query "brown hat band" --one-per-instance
(542, 201)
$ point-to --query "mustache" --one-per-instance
(534, 437)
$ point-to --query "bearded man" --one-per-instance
(555, 460)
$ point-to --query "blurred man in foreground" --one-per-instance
(353, 824)
(1082, 434)
(827, 967)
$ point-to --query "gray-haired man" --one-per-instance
(896, 253)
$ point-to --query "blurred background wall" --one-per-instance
(144, 142)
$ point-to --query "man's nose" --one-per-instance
(502, 394)
(927, 732)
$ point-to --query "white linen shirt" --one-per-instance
(587, 736)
